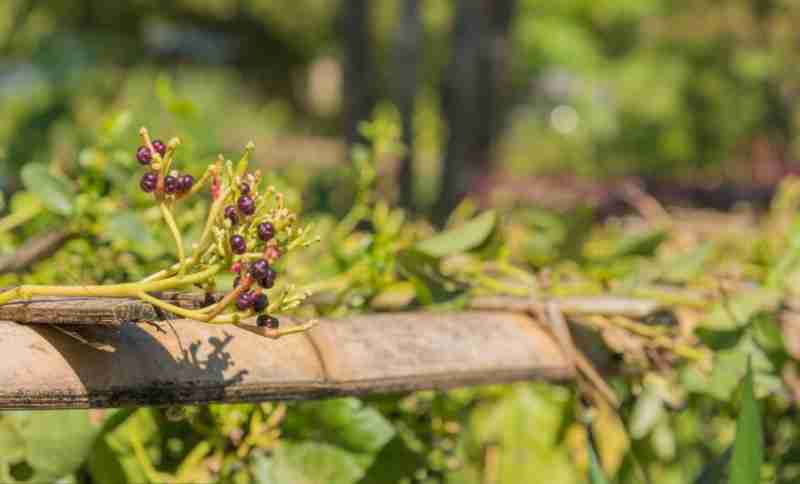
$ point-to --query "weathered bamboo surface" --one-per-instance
(181, 362)
(98, 310)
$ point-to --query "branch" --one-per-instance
(34, 251)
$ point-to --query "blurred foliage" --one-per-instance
(600, 88)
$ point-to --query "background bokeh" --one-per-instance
(564, 116)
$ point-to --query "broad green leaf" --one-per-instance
(748, 446)
(394, 463)
(112, 459)
(788, 262)
(352, 425)
(688, 266)
(639, 244)
(394, 296)
(56, 442)
(423, 271)
(737, 311)
(462, 238)
(128, 230)
(55, 192)
(313, 463)
(12, 445)
(525, 426)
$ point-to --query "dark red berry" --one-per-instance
(230, 214)
(236, 267)
(185, 183)
(170, 184)
(259, 269)
(269, 278)
(244, 188)
(149, 182)
(260, 302)
(238, 244)
(245, 300)
(246, 205)
(265, 320)
(159, 146)
(266, 231)
(143, 155)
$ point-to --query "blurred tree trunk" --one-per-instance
(473, 96)
(357, 92)
(407, 43)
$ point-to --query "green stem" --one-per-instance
(131, 289)
(176, 234)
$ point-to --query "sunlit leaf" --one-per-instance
(748, 447)
(465, 237)
(55, 192)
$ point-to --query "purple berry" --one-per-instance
(244, 188)
(265, 320)
(170, 184)
(230, 214)
(159, 146)
(143, 155)
(266, 231)
(269, 278)
(259, 269)
(246, 205)
(260, 302)
(238, 244)
(245, 300)
(185, 183)
(149, 182)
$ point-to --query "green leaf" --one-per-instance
(352, 425)
(462, 238)
(128, 231)
(748, 447)
(639, 244)
(596, 475)
(56, 442)
(395, 296)
(737, 311)
(313, 463)
(12, 445)
(260, 468)
(423, 271)
(55, 192)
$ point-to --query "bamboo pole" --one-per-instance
(182, 362)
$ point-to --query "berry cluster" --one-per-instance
(155, 180)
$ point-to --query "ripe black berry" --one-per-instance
(246, 205)
(245, 300)
(230, 214)
(260, 303)
(244, 188)
(238, 244)
(143, 155)
(269, 278)
(159, 146)
(185, 183)
(149, 182)
(266, 231)
(265, 320)
(259, 269)
(170, 184)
